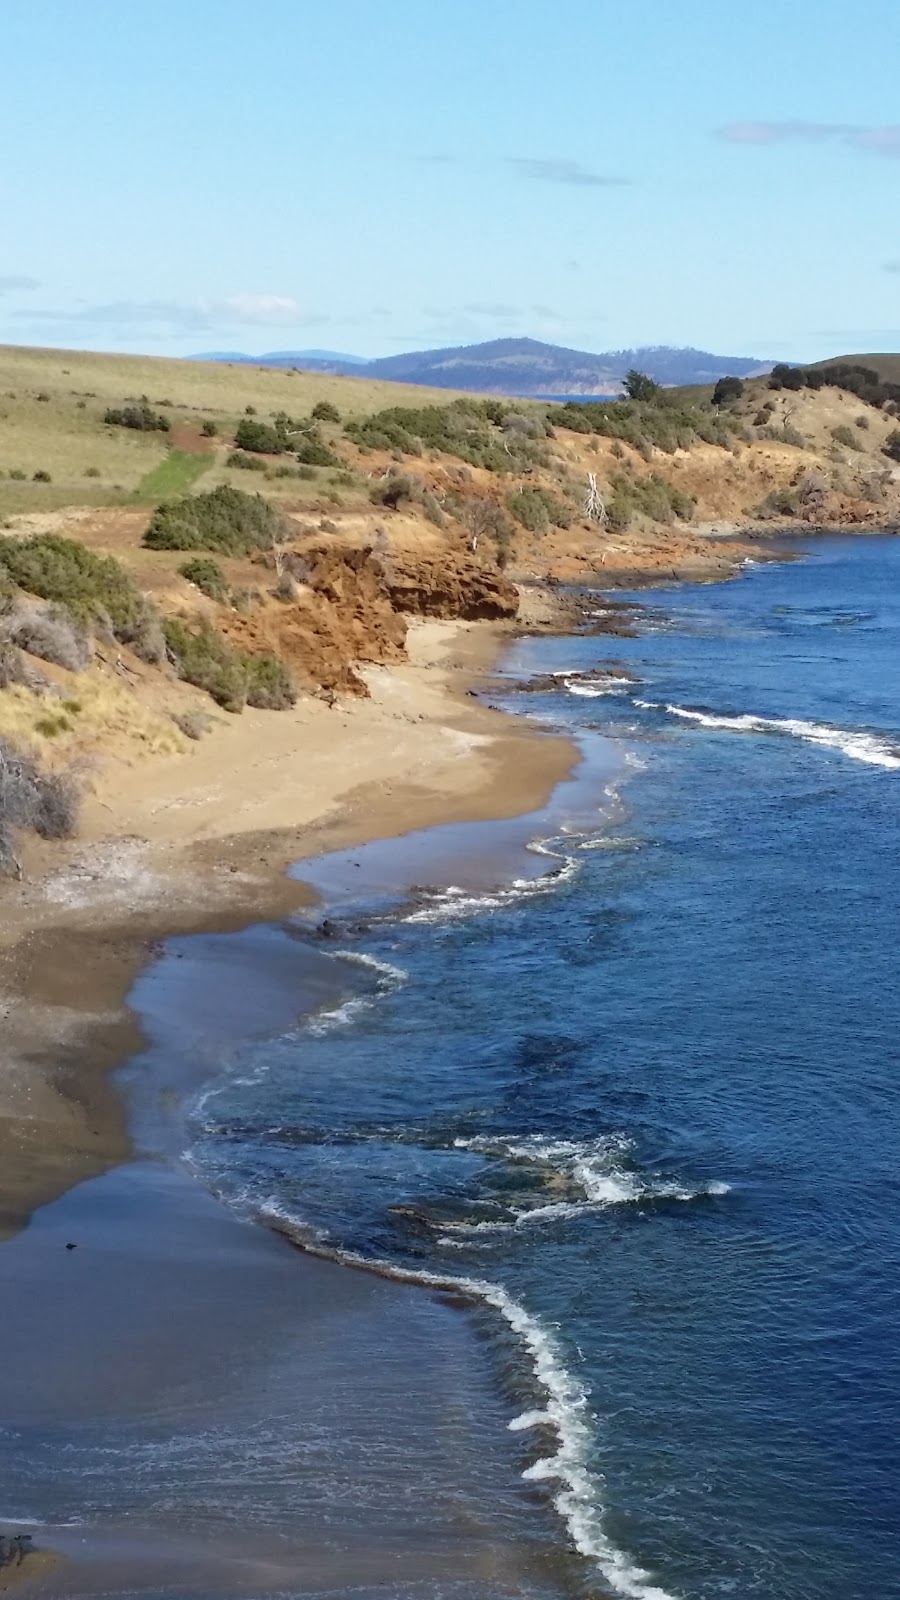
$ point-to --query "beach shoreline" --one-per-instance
(420, 752)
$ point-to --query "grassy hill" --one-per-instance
(52, 404)
(887, 366)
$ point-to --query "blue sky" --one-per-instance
(380, 175)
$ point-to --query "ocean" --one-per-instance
(628, 1089)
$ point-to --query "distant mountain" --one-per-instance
(284, 358)
(525, 367)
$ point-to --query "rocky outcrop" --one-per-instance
(451, 587)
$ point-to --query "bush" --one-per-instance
(537, 509)
(17, 475)
(784, 377)
(665, 423)
(862, 422)
(638, 386)
(238, 458)
(225, 521)
(431, 508)
(727, 390)
(92, 472)
(312, 453)
(12, 667)
(891, 446)
(49, 727)
(461, 429)
(777, 503)
(139, 417)
(49, 633)
(398, 488)
(207, 576)
(31, 801)
(259, 437)
(193, 724)
(845, 436)
(324, 411)
(201, 656)
(94, 589)
(41, 476)
(209, 429)
(269, 684)
(654, 497)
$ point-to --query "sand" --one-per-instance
(201, 840)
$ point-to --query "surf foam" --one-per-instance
(874, 749)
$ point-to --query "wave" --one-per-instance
(449, 904)
(596, 689)
(578, 1499)
(874, 749)
(388, 978)
(595, 1169)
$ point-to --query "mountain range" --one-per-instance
(518, 366)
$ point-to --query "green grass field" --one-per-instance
(51, 421)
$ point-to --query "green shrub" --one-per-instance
(638, 386)
(51, 726)
(201, 656)
(140, 417)
(41, 476)
(727, 390)
(269, 684)
(462, 429)
(324, 411)
(777, 503)
(209, 429)
(395, 490)
(862, 421)
(312, 453)
(654, 497)
(666, 423)
(17, 475)
(537, 509)
(845, 436)
(50, 633)
(225, 521)
(238, 458)
(259, 437)
(94, 589)
(92, 472)
(891, 446)
(207, 576)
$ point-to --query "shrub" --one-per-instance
(462, 429)
(784, 377)
(324, 411)
(238, 458)
(41, 476)
(398, 488)
(312, 453)
(665, 423)
(209, 429)
(43, 396)
(654, 497)
(891, 446)
(51, 634)
(12, 667)
(49, 727)
(638, 386)
(17, 475)
(727, 390)
(845, 436)
(225, 521)
(862, 422)
(431, 508)
(777, 503)
(537, 509)
(31, 801)
(140, 417)
(193, 724)
(259, 437)
(249, 411)
(92, 472)
(207, 576)
(201, 656)
(269, 684)
(96, 590)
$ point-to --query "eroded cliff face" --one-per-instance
(451, 586)
(351, 607)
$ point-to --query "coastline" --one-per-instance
(418, 753)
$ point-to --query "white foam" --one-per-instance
(598, 688)
(391, 975)
(874, 749)
(338, 1017)
(578, 1499)
(453, 903)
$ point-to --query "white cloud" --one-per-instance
(880, 140)
(17, 282)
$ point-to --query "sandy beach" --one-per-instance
(202, 840)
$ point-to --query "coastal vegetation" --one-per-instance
(224, 521)
(95, 591)
(32, 800)
(203, 657)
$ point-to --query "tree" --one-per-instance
(639, 387)
(324, 411)
(727, 390)
(784, 377)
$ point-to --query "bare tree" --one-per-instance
(594, 505)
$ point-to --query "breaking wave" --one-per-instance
(874, 749)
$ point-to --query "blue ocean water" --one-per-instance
(646, 1108)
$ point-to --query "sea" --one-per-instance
(625, 1087)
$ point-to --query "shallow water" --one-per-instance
(647, 1109)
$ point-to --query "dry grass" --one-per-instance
(64, 433)
(110, 719)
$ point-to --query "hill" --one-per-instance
(528, 367)
(887, 366)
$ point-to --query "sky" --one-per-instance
(373, 176)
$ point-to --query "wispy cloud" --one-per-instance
(881, 140)
(892, 266)
(558, 170)
(17, 282)
(167, 317)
